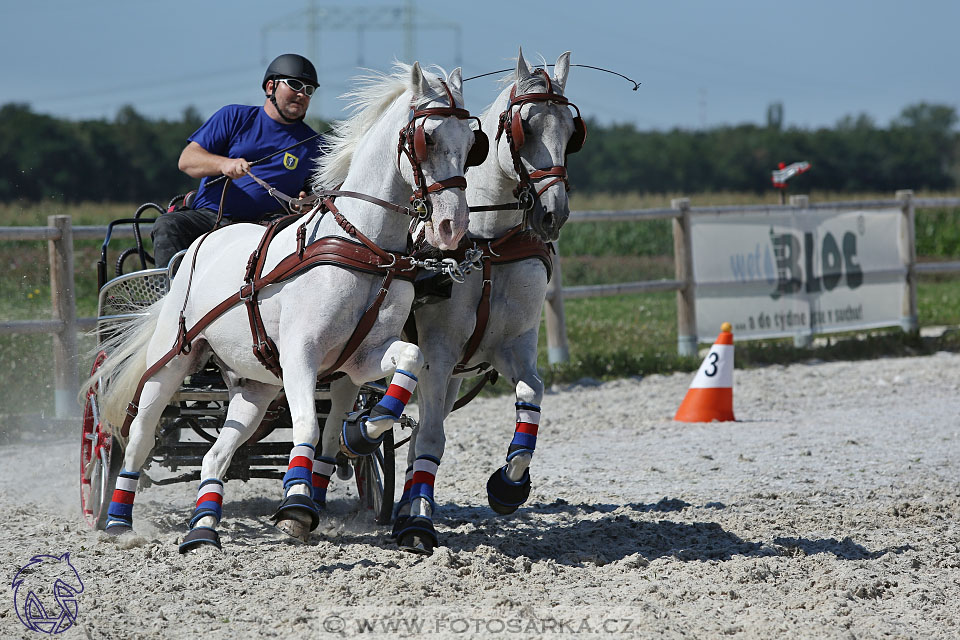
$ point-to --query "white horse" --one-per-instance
(534, 130)
(311, 316)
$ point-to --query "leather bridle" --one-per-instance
(511, 125)
(413, 144)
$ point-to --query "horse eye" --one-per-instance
(428, 139)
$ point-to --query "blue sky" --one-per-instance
(700, 63)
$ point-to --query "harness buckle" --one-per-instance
(525, 198)
(422, 208)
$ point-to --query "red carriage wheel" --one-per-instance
(101, 459)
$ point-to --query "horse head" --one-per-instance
(439, 143)
(537, 131)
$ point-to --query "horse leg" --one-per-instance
(432, 446)
(297, 514)
(413, 527)
(249, 400)
(363, 431)
(154, 398)
(509, 486)
(343, 396)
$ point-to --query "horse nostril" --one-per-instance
(446, 229)
(549, 220)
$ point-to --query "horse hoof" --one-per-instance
(344, 468)
(353, 441)
(505, 495)
(115, 530)
(398, 525)
(297, 516)
(294, 528)
(413, 543)
(198, 537)
(417, 535)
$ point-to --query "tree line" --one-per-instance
(134, 158)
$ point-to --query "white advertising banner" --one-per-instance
(775, 274)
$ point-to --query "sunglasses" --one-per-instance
(298, 86)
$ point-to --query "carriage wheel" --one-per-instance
(376, 480)
(101, 459)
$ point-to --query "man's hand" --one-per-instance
(234, 167)
(197, 162)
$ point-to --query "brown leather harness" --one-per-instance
(511, 125)
(362, 255)
(515, 245)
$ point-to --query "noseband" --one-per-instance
(413, 143)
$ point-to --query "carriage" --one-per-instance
(196, 413)
(333, 269)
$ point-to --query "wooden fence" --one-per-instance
(680, 212)
(64, 324)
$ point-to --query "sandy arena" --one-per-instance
(829, 510)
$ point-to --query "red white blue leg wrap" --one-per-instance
(209, 501)
(525, 436)
(402, 511)
(395, 400)
(120, 511)
(421, 487)
(418, 524)
(300, 469)
(323, 468)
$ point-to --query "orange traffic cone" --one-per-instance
(710, 396)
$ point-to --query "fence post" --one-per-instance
(909, 321)
(802, 340)
(558, 350)
(62, 293)
(683, 267)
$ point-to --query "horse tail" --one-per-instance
(125, 364)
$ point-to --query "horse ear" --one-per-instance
(418, 81)
(456, 84)
(523, 69)
(561, 70)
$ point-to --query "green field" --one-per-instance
(609, 337)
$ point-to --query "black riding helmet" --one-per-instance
(290, 65)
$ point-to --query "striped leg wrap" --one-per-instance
(300, 470)
(120, 512)
(424, 474)
(525, 437)
(209, 501)
(323, 468)
(402, 511)
(407, 486)
(398, 394)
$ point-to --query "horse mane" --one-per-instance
(374, 94)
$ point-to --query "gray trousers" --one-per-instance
(174, 231)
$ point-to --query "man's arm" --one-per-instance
(197, 162)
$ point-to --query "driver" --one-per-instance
(233, 139)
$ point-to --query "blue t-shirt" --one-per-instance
(241, 131)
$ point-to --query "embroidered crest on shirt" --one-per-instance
(290, 161)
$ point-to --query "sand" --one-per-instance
(828, 510)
